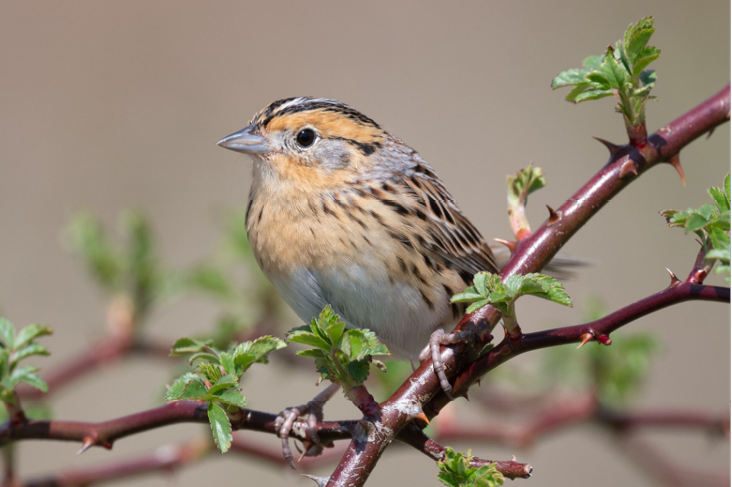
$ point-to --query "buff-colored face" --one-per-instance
(317, 140)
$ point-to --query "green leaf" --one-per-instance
(307, 338)
(34, 380)
(359, 370)
(186, 346)
(205, 356)
(227, 362)
(614, 74)
(637, 37)
(225, 382)
(592, 63)
(176, 390)
(311, 353)
(592, 95)
(220, 427)
(477, 305)
(513, 284)
(6, 333)
(646, 57)
(695, 222)
(4, 362)
(30, 333)
(465, 297)
(32, 349)
(720, 198)
(569, 77)
(481, 283)
(232, 397)
(455, 471)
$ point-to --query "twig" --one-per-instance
(415, 438)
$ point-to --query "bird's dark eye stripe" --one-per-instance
(306, 137)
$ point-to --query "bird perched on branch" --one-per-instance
(343, 213)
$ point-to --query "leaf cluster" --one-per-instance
(523, 183)
(14, 348)
(455, 471)
(488, 289)
(341, 356)
(711, 223)
(216, 378)
(129, 268)
(619, 72)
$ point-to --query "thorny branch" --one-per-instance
(531, 255)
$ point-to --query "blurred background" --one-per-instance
(112, 105)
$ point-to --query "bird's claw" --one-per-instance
(313, 413)
(440, 338)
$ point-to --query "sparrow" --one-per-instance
(343, 213)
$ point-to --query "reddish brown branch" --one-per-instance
(167, 459)
(105, 433)
(531, 255)
(573, 334)
(415, 438)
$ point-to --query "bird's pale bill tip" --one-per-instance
(244, 141)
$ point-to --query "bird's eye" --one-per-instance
(306, 137)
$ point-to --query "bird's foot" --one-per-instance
(312, 412)
(440, 338)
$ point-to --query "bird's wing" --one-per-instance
(452, 235)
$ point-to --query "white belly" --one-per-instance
(394, 311)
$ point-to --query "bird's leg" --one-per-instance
(313, 410)
(440, 338)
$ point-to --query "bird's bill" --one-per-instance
(245, 141)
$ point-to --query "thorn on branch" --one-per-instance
(628, 167)
(88, 443)
(590, 335)
(675, 281)
(508, 243)
(321, 481)
(585, 338)
(554, 216)
(676, 163)
(614, 149)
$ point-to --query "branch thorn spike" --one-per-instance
(554, 216)
(321, 481)
(709, 134)
(585, 338)
(674, 280)
(676, 163)
(628, 167)
(88, 443)
(610, 146)
(508, 243)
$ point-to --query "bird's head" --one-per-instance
(309, 139)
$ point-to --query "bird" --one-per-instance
(343, 213)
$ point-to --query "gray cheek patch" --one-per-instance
(333, 154)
